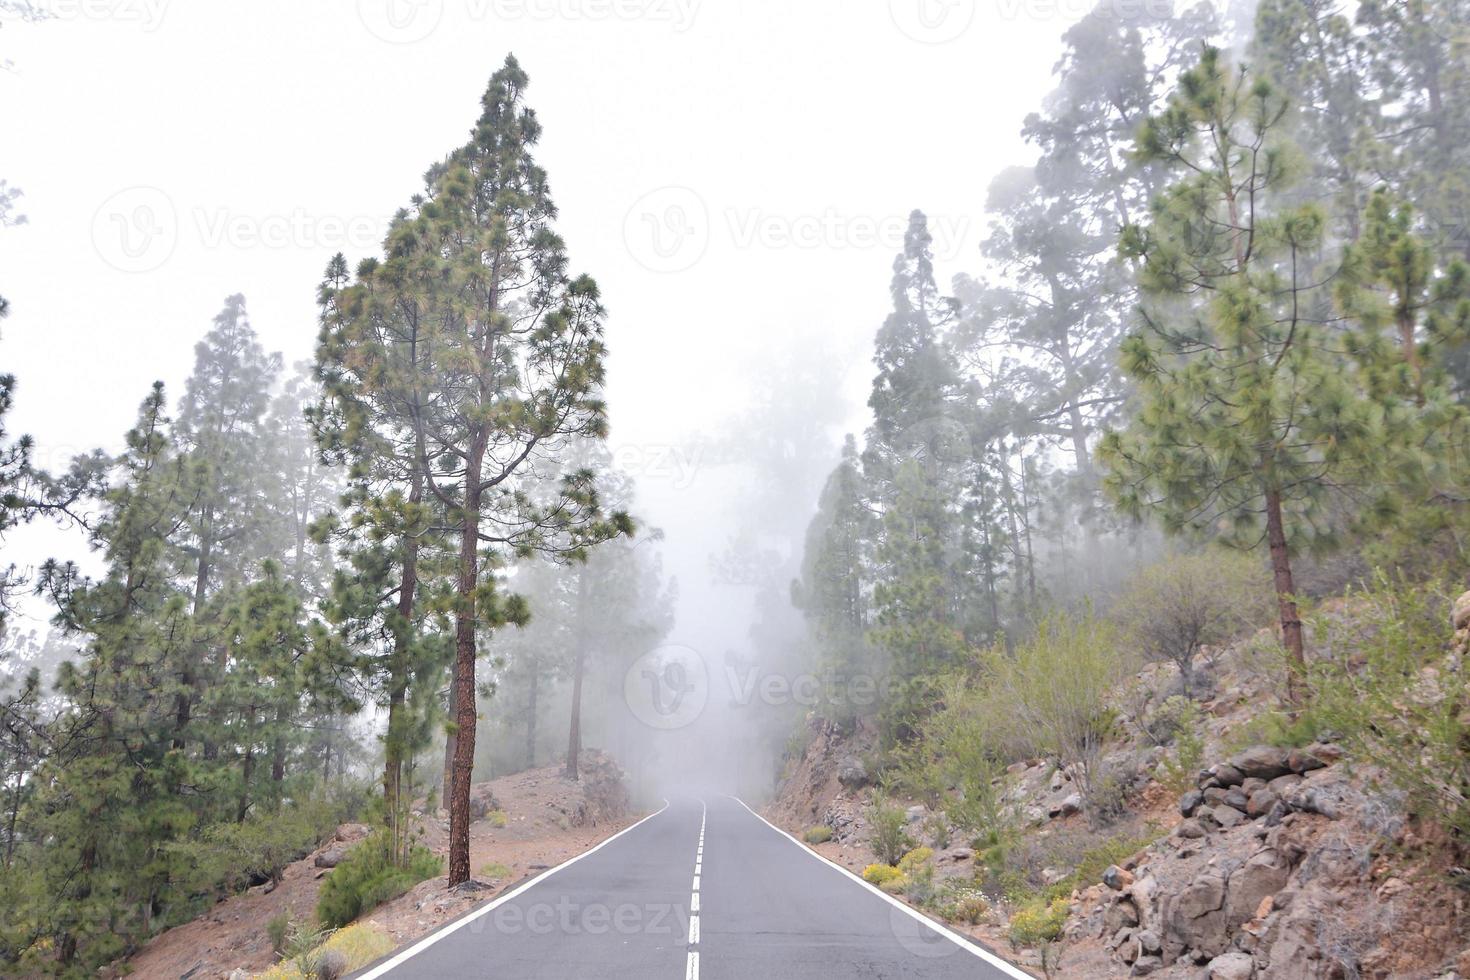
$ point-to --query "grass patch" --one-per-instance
(342, 952)
(819, 834)
(495, 870)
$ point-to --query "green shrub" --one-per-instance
(367, 877)
(497, 818)
(278, 929)
(937, 827)
(1186, 602)
(334, 955)
(1038, 925)
(819, 834)
(1384, 682)
(890, 839)
(1179, 770)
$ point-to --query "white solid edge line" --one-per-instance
(691, 972)
(913, 913)
(434, 937)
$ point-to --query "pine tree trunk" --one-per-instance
(183, 701)
(533, 705)
(1291, 623)
(394, 747)
(450, 739)
(574, 738)
(464, 659)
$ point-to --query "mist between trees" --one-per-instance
(1227, 301)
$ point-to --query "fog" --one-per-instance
(738, 177)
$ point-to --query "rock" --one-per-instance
(1116, 878)
(1261, 877)
(956, 854)
(1228, 774)
(330, 858)
(1148, 941)
(915, 813)
(1237, 799)
(1303, 761)
(1262, 761)
(239, 975)
(1234, 965)
(1194, 918)
(352, 831)
(1326, 751)
(1121, 914)
(1189, 829)
(1281, 784)
(1190, 802)
(1250, 785)
(851, 772)
(1260, 803)
(1227, 816)
(1066, 807)
(1215, 795)
(1313, 799)
(1460, 614)
(1145, 965)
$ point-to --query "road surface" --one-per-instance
(701, 889)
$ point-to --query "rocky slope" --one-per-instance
(1273, 864)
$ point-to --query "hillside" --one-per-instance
(1259, 861)
(547, 820)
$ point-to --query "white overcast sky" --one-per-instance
(734, 173)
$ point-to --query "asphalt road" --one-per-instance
(702, 889)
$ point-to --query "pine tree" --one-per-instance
(515, 368)
(1244, 415)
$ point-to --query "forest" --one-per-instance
(1213, 358)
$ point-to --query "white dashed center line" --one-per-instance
(692, 971)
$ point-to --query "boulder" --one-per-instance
(330, 858)
(1195, 917)
(1234, 965)
(1190, 802)
(1116, 878)
(1237, 799)
(851, 772)
(1227, 816)
(1304, 761)
(1066, 807)
(1189, 829)
(1281, 784)
(1261, 877)
(1260, 803)
(1249, 786)
(1262, 761)
(1228, 774)
(1145, 965)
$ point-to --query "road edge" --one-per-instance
(397, 959)
(1009, 969)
